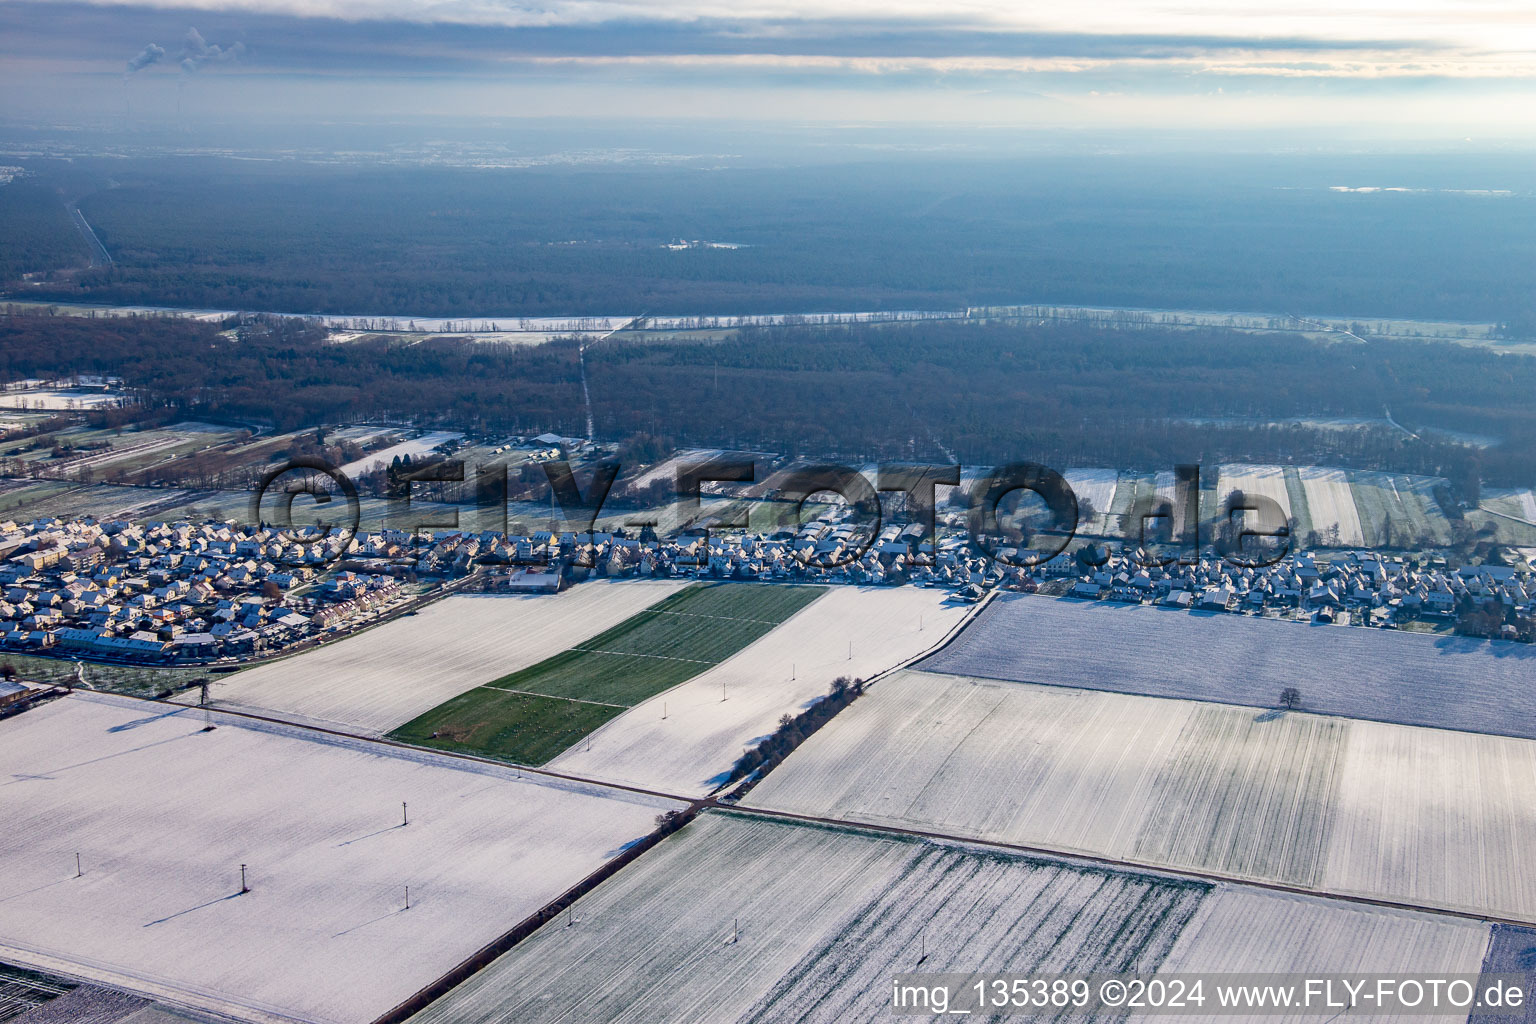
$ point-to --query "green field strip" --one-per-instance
(602, 677)
(1301, 511)
(530, 715)
(519, 727)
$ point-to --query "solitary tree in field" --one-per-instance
(1290, 698)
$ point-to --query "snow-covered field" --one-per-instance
(1095, 485)
(822, 919)
(1447, 817)
(163, 814)
(692, 749)
(59, 398)
(415, 447)
(1242, 930)
(382, 678)
(1517, 503)
(1415, 815)
(1331, 502)
(1266, 480)
(1398, 510)
(1382, 675)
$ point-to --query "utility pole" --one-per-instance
(407, 897)
(78, 870)
(243, 887)
(405, 817)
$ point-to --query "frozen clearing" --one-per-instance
(823, 917)
(384, 677)
(1332, 503)
(691, 750)
(1404, 814)
(1381, 675)
(163, 815)
(422, 445)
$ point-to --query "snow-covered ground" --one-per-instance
(53, 398)
(745, 919)
(1095, 485)
(1241, 930)
(383, 677)
(691, 750)
(1392, 812)
(1266, 480)
(822, 918)
(1442, 817)
(415, 447)
(1330, 502)
(164, 814)
(1383, 675)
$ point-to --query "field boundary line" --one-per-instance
(724, 618)
(632, 654)
(551, 696)
(385, 741)
(1139, 867)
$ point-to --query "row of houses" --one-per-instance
(1393, 589)
(171, 591)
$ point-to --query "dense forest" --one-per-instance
(1061, 393)
(35, 231)
(1265, 234)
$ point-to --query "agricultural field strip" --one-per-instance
(322, 935)
(730, 618)
(1268, 481)
(576, 700)
(1239, 930)
(1457, 683)
(377, 680)
(684, 740)
(574, 767)
(1330, 502)
(632, 654)
(623, 639)
(907, 830)
(1299, 803)
(535, 729)
(833, 912)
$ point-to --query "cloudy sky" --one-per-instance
(1441, 70)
